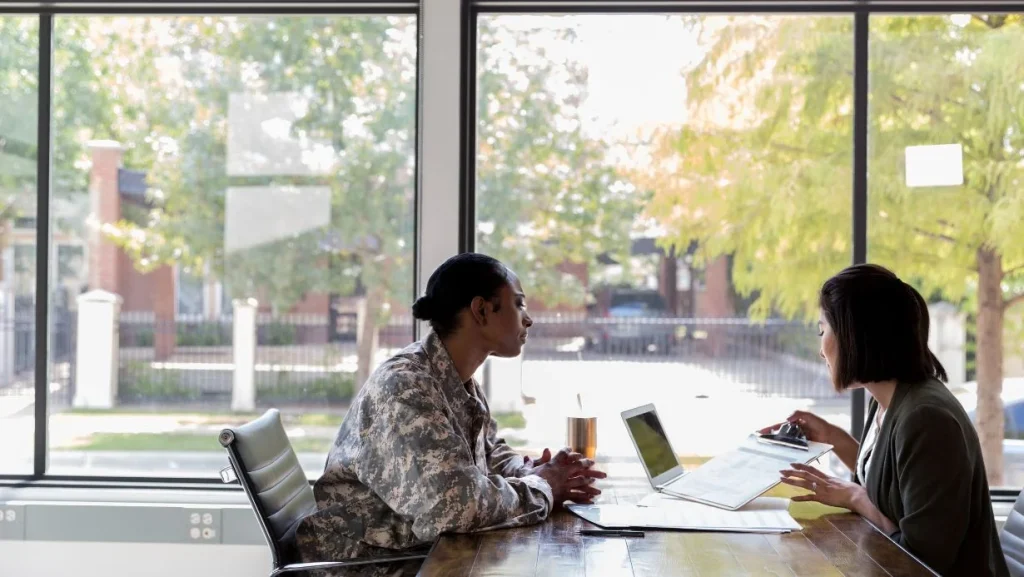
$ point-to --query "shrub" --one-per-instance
(277, 334)
(139, 382)
(202, 335)
(333, 388)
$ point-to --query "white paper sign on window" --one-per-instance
(263, 141)
(259, 215)
(935, 165)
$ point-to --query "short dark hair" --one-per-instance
(881, 328)
(454, 285)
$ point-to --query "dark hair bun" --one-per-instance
(423, 309)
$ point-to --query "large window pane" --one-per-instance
(224, 186)
(673, 190)
(946, 167)
(19, 90)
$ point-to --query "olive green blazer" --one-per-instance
(926, 474)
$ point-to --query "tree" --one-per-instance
(762, 169)
(546, 193)
(356, 82)
(83, 57)
(162, 87)
(18, 93)
(356, 75)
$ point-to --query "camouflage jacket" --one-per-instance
(416, 456)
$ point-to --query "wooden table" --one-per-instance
(833, 542)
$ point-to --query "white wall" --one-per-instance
(66, 559)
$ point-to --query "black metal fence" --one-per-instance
(18, 355)
(190, 361)
(772, 357)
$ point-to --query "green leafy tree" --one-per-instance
(356, 77)
(762, 171)
(18, 92)
(547, 196)
(162, 86)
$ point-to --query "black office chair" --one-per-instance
(1012, 538)
(264, 463)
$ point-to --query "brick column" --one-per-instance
(105, 208)
(165, 333)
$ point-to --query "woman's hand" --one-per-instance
(837, 493)
(817, 429)
(824, 489)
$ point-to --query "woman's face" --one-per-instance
(829, 345)
(509, 322)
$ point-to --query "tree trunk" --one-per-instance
(367, 336)
(989, 358)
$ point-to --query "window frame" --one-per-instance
(43, 229)
(861, 11)
(445, 196)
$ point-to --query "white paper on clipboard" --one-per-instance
(733, 479)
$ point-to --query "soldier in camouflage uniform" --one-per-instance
(418, 454)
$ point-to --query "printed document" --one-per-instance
(735, 478)
(763, 515)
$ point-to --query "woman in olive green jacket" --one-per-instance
(918, 473)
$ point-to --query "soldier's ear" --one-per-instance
(478, 310)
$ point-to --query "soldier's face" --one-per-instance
(508, 332)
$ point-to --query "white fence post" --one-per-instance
(243, 391)
(96, 360)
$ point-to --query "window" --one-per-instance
(191, 294)
(275, 154)
(726, 155)
(946, 167)
(19, 93)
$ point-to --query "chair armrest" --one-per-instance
(296, 567)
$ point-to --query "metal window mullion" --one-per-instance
(468, 120)
(231, 7)
(860, 176)
(42, 317)
(734, 7)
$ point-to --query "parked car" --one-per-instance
(636, 321)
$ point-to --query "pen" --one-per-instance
(610, 533)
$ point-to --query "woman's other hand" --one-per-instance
(814, 427)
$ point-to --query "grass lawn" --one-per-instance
(199, 417)
(505, 420)
(176, 442)
(510, 420)
(208, 442)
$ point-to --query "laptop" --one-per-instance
(729, 480)
(656, 454)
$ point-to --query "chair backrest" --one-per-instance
(1012, 538)
(269, 472)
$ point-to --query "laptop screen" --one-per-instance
(652, 443)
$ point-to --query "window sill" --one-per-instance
(32, 512)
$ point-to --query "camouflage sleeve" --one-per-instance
(502, 459)
(412, 459)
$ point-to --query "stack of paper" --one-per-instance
(657, 511)
(733, 479)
